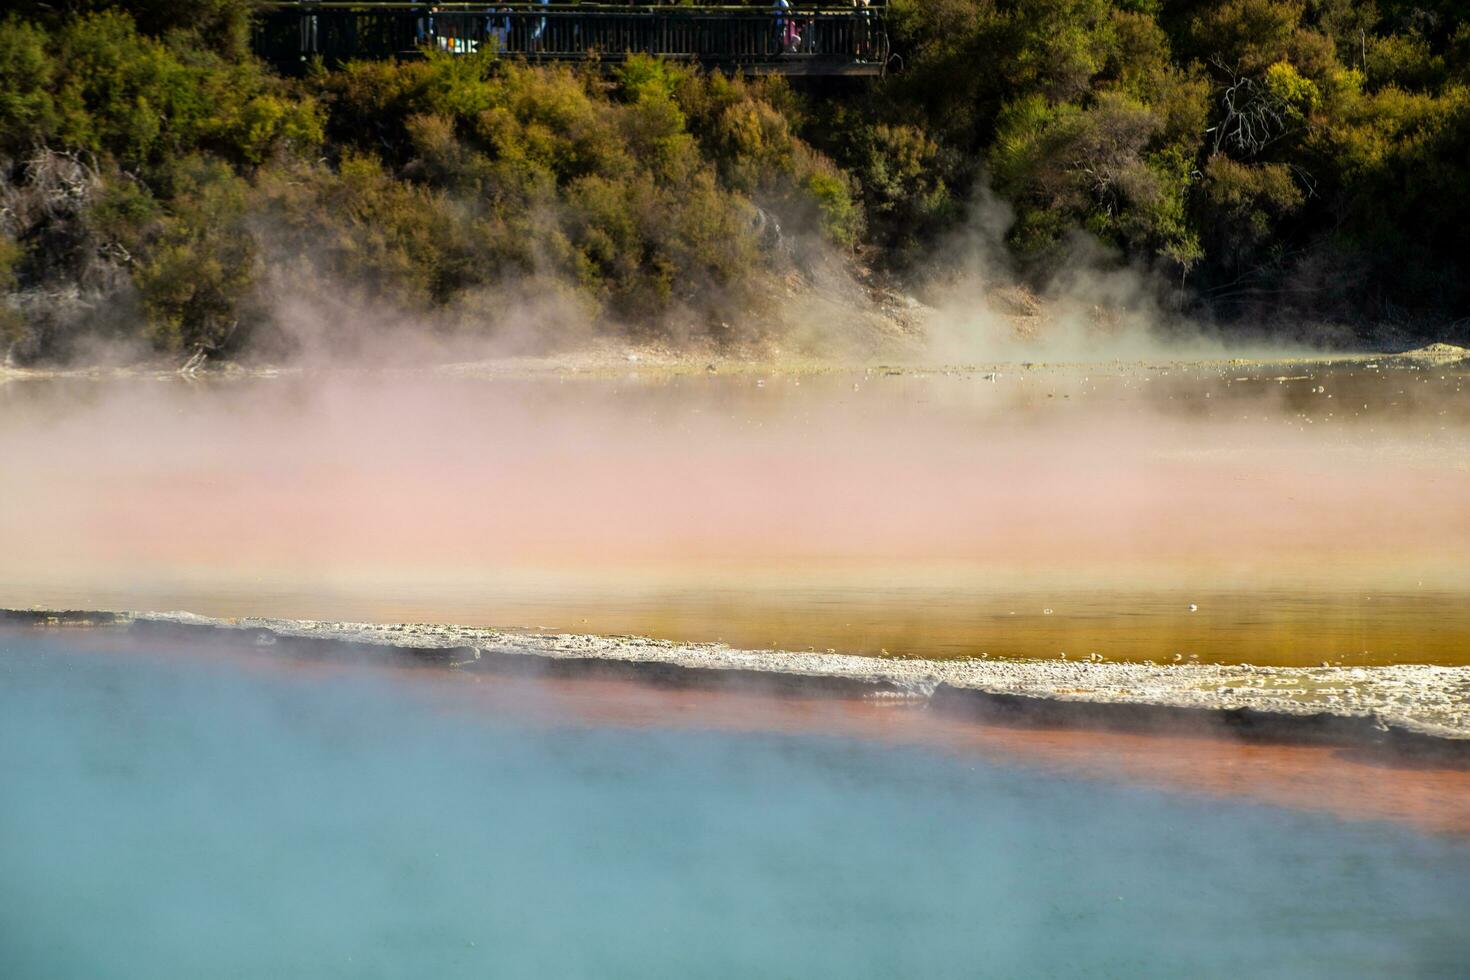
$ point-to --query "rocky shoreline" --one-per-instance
(1417, 708)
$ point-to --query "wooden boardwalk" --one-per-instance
(805, 39)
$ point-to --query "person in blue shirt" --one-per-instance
(497, 28)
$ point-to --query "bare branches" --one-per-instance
(1252, 115)
(57, 183)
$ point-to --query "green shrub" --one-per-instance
(841, 220)
(10, 322)
(1274, 143)
(28, 113)
(203, 263)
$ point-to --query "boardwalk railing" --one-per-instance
(826, 40)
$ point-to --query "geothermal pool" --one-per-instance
(1309, 512)
(194, 812)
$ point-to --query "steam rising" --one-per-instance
(390, 484)
(1091, 306)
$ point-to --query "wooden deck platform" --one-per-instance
(837, 40)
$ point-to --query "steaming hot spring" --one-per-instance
(1118, 669)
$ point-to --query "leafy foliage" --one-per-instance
(1290, 157)
(1297, 156)
(444, 178)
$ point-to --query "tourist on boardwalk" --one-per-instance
(497, 29)
(862, 29)
(538, 33)
(788, 38)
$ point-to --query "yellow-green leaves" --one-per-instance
(1297, 96)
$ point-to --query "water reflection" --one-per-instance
(186, 816)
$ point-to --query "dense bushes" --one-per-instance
(96, 85)
(160, 186)
(1295, 156)
(123, 167)
(565, 174)
(207, 188)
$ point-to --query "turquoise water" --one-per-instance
(168, 817)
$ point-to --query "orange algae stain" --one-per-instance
(1351, 783)
(913, 517)
(936, 613)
